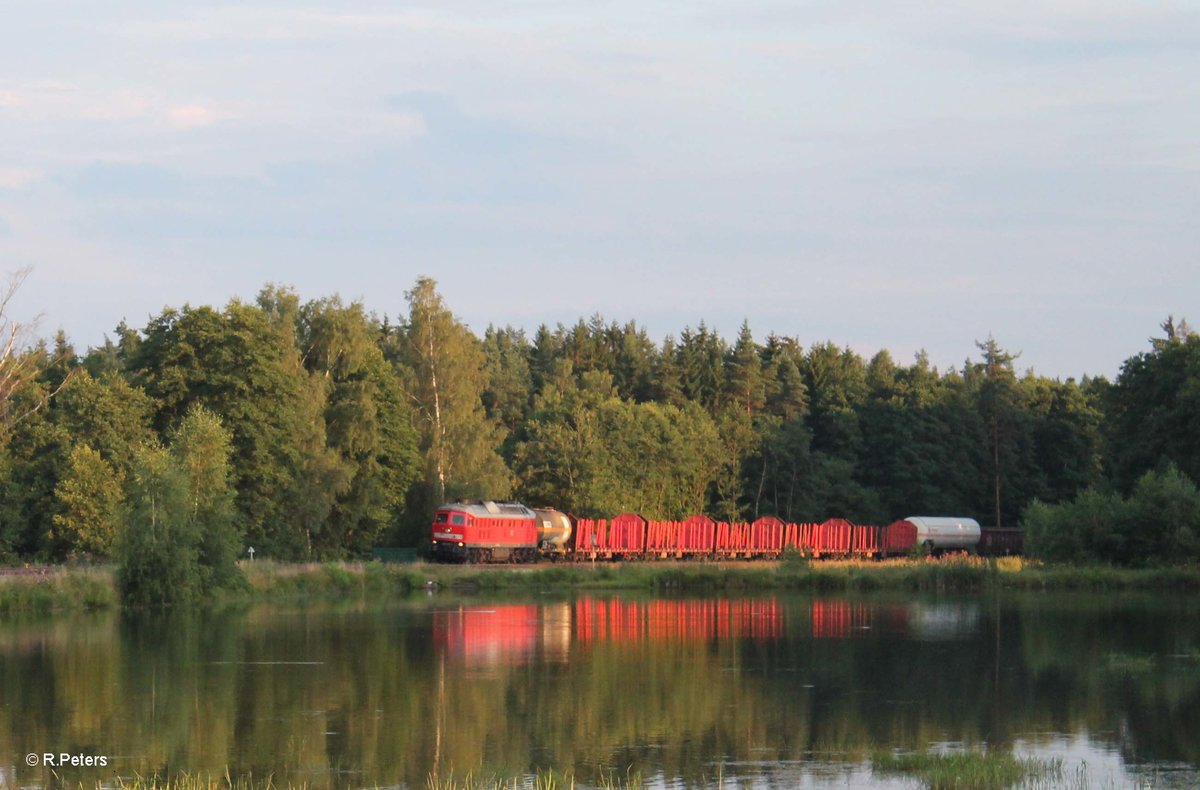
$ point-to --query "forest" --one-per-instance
(317, 430)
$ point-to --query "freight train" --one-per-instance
(486, 531)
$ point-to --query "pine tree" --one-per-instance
(997, 403)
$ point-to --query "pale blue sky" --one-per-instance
(884, 175)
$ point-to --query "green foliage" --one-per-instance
(966, 770)
(368, 427)
(445, 379)
(1159, 522)
(159, 549)
(108, 415)
(89, 497)
(202, 448)
(591, 453)
(243, 365)
(346, 431)
(509, 383)
(35, 451)
(1152, 407)
(180, 542)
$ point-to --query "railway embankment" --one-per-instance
(61, 588)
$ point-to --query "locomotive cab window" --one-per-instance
(458, 519)
(441, 518)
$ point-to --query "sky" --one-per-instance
(898, 176)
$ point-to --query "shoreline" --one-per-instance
(94, 588)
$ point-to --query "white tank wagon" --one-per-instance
(942, 533)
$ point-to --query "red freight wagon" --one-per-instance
(698, 535)
(832, 537)
(624, 536)
(899, 537)
(800, 537)
(662, 537)
(766, 536)
(1000, 541)
(680, 538)
(733, 540)
(865, 540)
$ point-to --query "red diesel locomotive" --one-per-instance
(496, 532)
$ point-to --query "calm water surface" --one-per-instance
(758, 691)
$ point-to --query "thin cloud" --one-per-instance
(18, 177)
(191, 116)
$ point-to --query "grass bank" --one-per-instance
(59, 589)
(95, 588)
(950, 574)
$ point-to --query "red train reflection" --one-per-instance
(516, 634)
(614, 620)
(836, 618)
(480, 636)
(519, 634)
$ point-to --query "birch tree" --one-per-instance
(20, 361)
(445, 384)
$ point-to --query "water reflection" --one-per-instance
(677, 688)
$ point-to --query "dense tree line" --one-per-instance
(328, 430)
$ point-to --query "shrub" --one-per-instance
(180, 542)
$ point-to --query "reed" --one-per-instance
(539, 781)
(76, 588)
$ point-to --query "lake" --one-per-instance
(772, 691)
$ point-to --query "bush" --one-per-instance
(1159, 522)
(158, 552)
(180, 542)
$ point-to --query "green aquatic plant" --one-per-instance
(969, 770)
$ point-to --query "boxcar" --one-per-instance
(1001, 541)
(899, 537)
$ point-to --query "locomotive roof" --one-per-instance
(489, 509)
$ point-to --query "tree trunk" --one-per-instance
(996, 463)
(439, 435)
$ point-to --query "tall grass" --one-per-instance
(90, 588)
(539, 781)
(198, 782)
(266, 579)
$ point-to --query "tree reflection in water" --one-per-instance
(365, 695)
